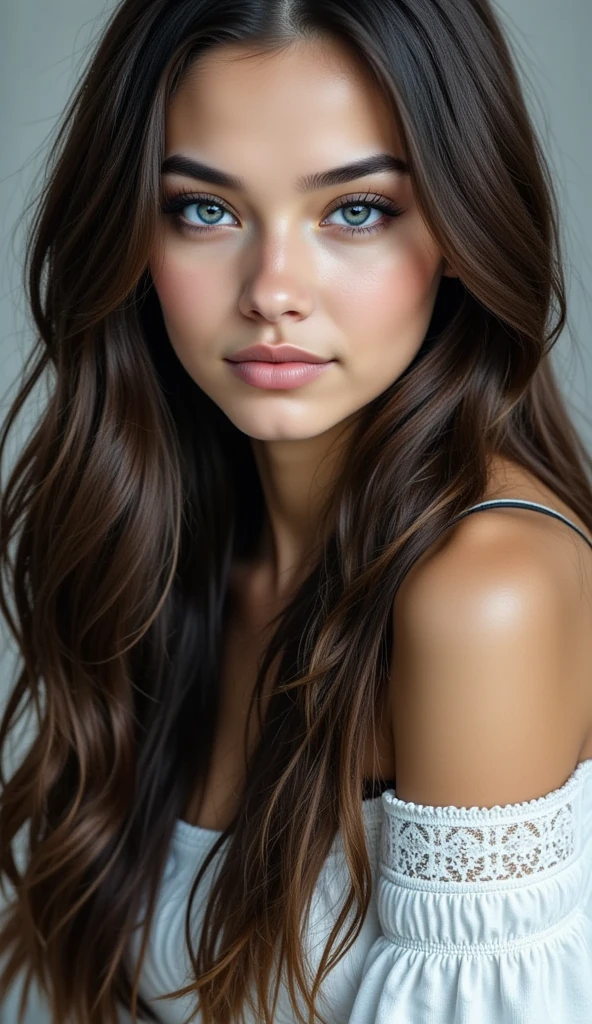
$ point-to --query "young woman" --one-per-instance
(313, 738)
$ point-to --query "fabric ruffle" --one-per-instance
(485, 913)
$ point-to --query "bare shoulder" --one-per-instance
(491, 690)
(524, 552)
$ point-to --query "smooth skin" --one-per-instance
(282, 268)
(491, 691)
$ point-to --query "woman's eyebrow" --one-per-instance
(373, 164)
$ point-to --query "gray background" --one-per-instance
(43, 48)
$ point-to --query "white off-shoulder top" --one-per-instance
(477, 915)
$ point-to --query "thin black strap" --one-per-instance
(521, 503)
(372, 788)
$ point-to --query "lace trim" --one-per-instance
(480, 844)
(478, 853)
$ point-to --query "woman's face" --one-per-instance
(283, 261)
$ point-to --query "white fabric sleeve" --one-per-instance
(485, 913)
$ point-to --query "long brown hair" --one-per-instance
(134, 493)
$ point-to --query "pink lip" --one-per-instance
(277, 376)
(275, 354)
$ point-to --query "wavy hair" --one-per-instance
(122, 514)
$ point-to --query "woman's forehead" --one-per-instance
(300, 101)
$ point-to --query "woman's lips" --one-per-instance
(277, 376)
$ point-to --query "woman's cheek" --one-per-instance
(389, 293)
(188, 295)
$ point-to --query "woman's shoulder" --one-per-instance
(493, 646)
(514, 546)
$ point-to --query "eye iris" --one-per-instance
(209, 207)
(212, 212)
(364, 210)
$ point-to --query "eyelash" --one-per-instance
(179, 200)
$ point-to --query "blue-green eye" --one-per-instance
(201, 212)
(358, 210)
(205, 213)
(359, 214)
(210, 214)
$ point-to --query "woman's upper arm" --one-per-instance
(484, 708)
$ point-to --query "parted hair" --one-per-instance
(134, 493)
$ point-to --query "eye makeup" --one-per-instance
(174, 204)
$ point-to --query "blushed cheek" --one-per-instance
(412, 288)
(187, 297)
(393, 294)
